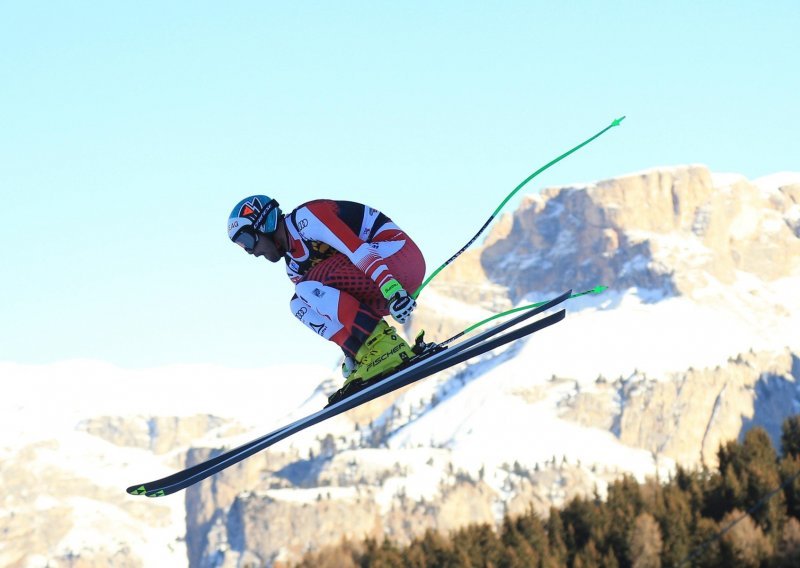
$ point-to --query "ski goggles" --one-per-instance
(247, 238)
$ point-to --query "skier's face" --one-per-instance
(267, 247)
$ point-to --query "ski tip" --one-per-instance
(142, 490)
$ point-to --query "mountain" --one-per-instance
(72, 433)
(696, 340)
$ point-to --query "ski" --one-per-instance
(431, 363)
(427, 350)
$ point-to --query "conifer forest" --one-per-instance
(743, 513)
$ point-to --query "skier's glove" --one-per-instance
(400, 303)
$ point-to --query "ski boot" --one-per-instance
(382, 353)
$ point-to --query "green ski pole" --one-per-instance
(596, 290)
(615, 122)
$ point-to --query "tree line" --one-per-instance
(745, 512)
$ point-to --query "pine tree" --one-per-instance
(749, 471)
(588, 557)
(790, 436)
(763, 476)
(480, 544)
(534, 531)
(610, 560)
(676, 521)
(705, 548)
(520, 556)
(432, 549)
(414, 557)
(790, 470)
(579, 518)
(524, 540)
(695, 484)
(788, 551)
(727, 488)
(745, 544)
(645, 542)
(556, 537)
(490, 547)
(623, 505)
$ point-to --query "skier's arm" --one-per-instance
(320, 222)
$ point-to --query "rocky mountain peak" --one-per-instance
(670, 229)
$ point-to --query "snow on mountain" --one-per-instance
(80, 389)
(487, 424)
(773, 182)
(616, 335)
(696, 340)
(58, 475)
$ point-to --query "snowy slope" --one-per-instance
(72, 478)
(611, 336)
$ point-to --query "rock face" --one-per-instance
(159, 434)
(56, 514)
(634, 231)
(688, 415)
(274, 526)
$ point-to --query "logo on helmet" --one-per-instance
(249, 209)
(259, 221)
(257, 211)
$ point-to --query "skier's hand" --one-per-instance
(401, 304)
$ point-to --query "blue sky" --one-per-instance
(129, 130)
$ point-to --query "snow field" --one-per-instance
(50, 402)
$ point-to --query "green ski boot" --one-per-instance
(383, 352)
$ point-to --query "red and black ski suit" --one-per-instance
(340, 254)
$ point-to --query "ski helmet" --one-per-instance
(255, 213)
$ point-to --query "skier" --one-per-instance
(351, 266)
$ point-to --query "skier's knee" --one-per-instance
(309, 289)
(316, 295)
(298, 306)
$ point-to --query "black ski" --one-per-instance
(433, 349)
(431, 364)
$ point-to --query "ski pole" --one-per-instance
(615, 122)
(596, 290)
